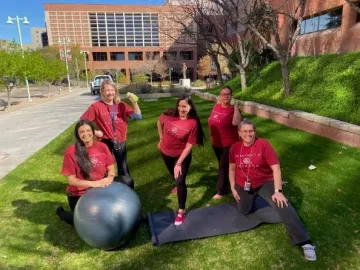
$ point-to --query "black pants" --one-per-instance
(120, 156)
(293, 225)
(222, 155)
(180, 181)
(68, 217)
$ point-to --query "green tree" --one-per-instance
(13, 67)
(76, 63)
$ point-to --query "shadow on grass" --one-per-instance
(44, 186)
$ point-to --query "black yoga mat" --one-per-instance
(209, 221)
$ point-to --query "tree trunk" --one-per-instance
(8, 97)
(285, 77)
(218, 69)
(243, 78)
(77, 72)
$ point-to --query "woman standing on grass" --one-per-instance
(179, 130)
(110, 116)
(87, 164)
(223, 122)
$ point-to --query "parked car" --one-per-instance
(96, 83)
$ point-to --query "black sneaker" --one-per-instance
(58, 210)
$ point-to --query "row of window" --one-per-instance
(138, 56)
(124, 29)
(321, 22)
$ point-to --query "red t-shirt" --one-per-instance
(222, 131)
(176, 134)
(100, 157)
(99, 112)
(253, 161)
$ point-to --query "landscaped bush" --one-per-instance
(327, 85)
(198, 83)
(139, 78)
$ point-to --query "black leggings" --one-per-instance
(68, 217)
(222, 155)
(120, 156)
(170, 163)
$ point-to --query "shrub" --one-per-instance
(139, 78)
(198, 83)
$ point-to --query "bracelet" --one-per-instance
(278, 190)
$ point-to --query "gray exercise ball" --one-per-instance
(105, 218)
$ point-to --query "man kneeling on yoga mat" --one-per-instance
(255, 170)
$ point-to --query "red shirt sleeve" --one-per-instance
(193, 136)
(232, 154)
(69, 163)
(128, 110)
(162, 118)
(89, 114)
(270, 154)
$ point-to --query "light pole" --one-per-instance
(170, 69)
(85, 53)
(64, 41)
(9, 21)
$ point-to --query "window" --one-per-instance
(186, 55)
(358, 14)
(135, 56)
(99, 56)
(331, 19)
(170, 55)
(152, 55)
(117, 56)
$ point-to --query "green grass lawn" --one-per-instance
(327, 199)
(327, 85)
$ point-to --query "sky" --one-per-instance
(34, 11)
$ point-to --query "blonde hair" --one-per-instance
(111, 83)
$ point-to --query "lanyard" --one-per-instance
(248, 170)
(112, 116)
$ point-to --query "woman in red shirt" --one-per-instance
(110, 116)
(179, 129)
(223, 122)
(254, 170)
(87, 164)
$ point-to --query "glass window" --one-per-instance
(170, 55)
(186, 55)
(152, 55)
(117, 56)
(99, 56)
(135, 56)
(331, 19)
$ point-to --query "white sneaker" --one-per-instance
(309, 252)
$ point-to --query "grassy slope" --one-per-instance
(327, 85)
(326, 199)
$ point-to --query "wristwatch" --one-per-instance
(278, 190)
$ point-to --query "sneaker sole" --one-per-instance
(178, 223)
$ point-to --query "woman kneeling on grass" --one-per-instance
(254, 170)
(87, 164)
(179, 129)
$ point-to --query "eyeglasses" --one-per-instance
(247, 131)
(225, 95)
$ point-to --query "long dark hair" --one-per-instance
(192, 115)
(81, 155)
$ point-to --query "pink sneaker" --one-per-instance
(174, 190)
(179, 218)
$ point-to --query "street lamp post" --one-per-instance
(170, 69)
(64, 41)
(18, 19)
(85, 53)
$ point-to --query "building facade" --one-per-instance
(121, 37)
(327, 27)
(38, 37)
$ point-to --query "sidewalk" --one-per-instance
(25, 131)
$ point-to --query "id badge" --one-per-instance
(247, 185)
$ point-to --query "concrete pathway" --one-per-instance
(24, 132)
